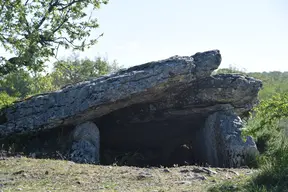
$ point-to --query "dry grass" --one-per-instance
(25, 174)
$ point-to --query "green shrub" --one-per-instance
(6, 100)
(269, 126)
(269, 122)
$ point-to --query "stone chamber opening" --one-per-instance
(174, 141)
(162, 141)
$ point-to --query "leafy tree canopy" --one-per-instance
(74, 70)
(33, 30)
(22, 83)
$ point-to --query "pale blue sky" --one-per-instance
(250, 34)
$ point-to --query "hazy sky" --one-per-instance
(250, 34)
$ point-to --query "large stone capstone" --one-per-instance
(156, 112)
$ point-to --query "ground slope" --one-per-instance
(26, 174)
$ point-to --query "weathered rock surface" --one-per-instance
(158, 109)
(85, 144)
(103, 95)
(222, 140)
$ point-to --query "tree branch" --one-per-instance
(26, 3)
(64, 38)
(27, 26)
(63, 21)
(68, 4)
(51, 6)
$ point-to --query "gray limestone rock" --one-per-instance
(85, 144)
(222, 140)
(152, 110)
(91, 99)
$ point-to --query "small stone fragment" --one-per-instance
(166, 170)
(18, 172)
(32, 155)
(214, 181)
(183, 182)
(209, 171)
(184, 171)
(201, 177)
(236, 173)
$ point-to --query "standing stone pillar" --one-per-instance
(224, 146)
(85, 144)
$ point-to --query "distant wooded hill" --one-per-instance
(273, 82)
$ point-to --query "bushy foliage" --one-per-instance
(17, 84)
(74, 70)
(274, 82)
(269, 126)
(6, 100)
(269, 120)
(33, 30)
(22, 83)
(230, 69)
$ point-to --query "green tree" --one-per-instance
(274, 82)
(21, 83)
(270, 119)
(33, 30)
(17, 84)
(74, 70)
(6, 100)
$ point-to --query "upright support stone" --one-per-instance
(85, 144)
(224, 146)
